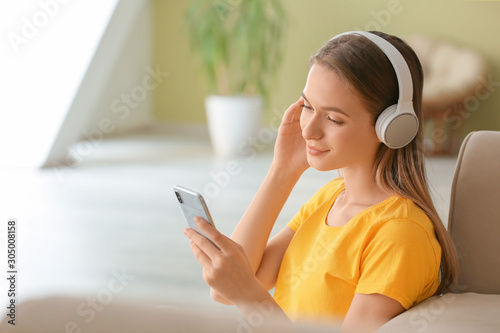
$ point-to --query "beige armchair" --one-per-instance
(474, 224)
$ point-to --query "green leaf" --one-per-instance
(239, 43)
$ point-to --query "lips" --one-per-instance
(311, 150)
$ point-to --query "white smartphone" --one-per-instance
(192, 204)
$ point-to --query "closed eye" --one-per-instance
(335, 121)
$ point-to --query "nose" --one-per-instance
(310, 124)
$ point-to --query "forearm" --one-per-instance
(254, 228)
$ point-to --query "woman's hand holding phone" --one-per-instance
(227, 269)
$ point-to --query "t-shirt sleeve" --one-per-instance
(400, 261)
(313, 203)
(296, 221)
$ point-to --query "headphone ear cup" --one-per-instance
(383, 121)
(396, 129)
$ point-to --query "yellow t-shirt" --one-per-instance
(389, 248)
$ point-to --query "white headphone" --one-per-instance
(397, 125)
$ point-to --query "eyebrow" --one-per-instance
(327, 108)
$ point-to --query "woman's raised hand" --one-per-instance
(290, 148)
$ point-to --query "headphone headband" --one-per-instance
(403, 74)
(397, 125)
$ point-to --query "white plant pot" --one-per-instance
(232, 121)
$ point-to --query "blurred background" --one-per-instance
(469, 25)
(104, 111)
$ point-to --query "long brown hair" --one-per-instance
(363, 66)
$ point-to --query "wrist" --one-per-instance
(285, 174)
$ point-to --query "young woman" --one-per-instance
(367, 245)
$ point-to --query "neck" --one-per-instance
(360, 186)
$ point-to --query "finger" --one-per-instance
(202, 258)
(301, 100)
(213, 234)
(202, 242)
(293, 112)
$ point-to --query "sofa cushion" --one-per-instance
(457, 313)
(84, 315)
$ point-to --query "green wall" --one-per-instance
(474, 24)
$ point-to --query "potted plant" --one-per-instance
(239, 48)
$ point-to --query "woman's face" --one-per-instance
(338, 129)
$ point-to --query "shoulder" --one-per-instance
(404, 226)
(401, 216)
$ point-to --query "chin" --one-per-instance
(324, 169)
(321, 166)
